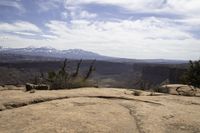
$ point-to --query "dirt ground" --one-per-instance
(97, 110)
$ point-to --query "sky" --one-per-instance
(138, 29)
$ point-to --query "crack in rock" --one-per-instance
(13, 105)
(127, 98)
(132, 113)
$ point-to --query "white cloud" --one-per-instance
(193, 22)
(78, 14)
(129, 4)
(187, 7)
(14, 41)
(183, 7)
(64, 15)
(19, 27)
(86, 14)
(25, 33)
(148, 37)
(145, 38)
(50, 36)
(46, 5)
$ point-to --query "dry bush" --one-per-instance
(162, 89)
(66, 79)
(152, 93)
(136, 93)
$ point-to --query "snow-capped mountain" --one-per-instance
(52, 52)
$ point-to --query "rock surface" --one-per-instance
(90, 110)
(180, 89)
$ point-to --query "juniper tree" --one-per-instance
(192, 75)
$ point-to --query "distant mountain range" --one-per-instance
(48, 52)
(52, 52)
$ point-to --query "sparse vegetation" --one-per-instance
(152, 93)
(136, 93)
(162, 89)
(192, 76)
(66, 79)
(107, 74)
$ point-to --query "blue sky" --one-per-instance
(141, 29)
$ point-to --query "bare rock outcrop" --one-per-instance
(92, 110)
(179, 89)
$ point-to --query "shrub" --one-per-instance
(192, 76)
(65, 79)
(136, 93)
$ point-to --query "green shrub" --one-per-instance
(192, 76)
